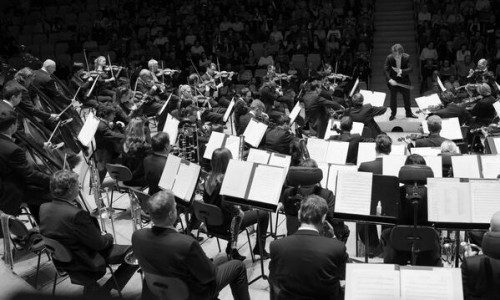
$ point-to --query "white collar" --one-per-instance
(308, 227)
(10, 104)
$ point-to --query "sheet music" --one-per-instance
(89, 129)
(280, 160)
(324, 168)
(254, 133)
(426, 101)
(451, 129)
(484, 198)
(426, 151)
(372, 282)
(228, 111)
(373, 98)
(496, 105)
(354, 87)
(441, 86)
(357, 127)
(436, 164)
(465, 166)
(431, 284)
(391, 164)
(491, 166)
(332, 175)
(258, 156)
(266, 184)
(237, 178)
(169, 173)
(448, 201)
(172, 128)
(354, 192)
(317, 149)
(496, 141)
(337, 152)
(398, 149)
(233, 145)
(366, 152)
(216, 140)
(164, 105)
(186, 180)
(329, 131)
(295, 112)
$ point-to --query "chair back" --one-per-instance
(17, 227)
(303, 176)
(491, 244)
(119, 172)
(411, 174)
(210, 214)
(143, 199)
(57, 250)
(165, 287)
(423, 238)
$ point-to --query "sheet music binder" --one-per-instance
(357, 128)
(493, 144)
(222, 140)
(254, 132)
(450, 129)
(180, 176)
(172, 128)
(328, 151)
(394, 282)
(373, 98)
(253, 184)
(228, 111)
(88, 130)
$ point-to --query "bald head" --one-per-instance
(495, 222)
(50, 66)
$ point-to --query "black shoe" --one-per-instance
(412, 116)
(392, 118)
(264, 256)
(236, 255)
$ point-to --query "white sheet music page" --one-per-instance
(266, 184)
(280, 160)
(317, 149)
(372, 282)
(357, 127)
(254, 133)
(496, 105)
(448, 201)
(332, 175)
(373, 98)
(398, 149)
(186, 180)
(496, 141)
(436, 164)
(258, 156)
(391, 164)
(172, 128)
(484, 196)
(295, 112)
(426, 101)
(228, 111)
(237, 178)
(329, 131)
(366, 152)
(89, 129)
(451, 129)
(431, 283)
(426, 151)
(354, 192)
(465, 166)
(215, 141)
(169, 173)
(491, 166)
(233, 145)
(337, 152)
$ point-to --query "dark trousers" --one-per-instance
(394, 99)
(262, 219)
(152, 109)
(233, 273)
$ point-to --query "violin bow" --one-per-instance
(111, 69)
(86, 60)
(218, 67)
(162, 73)
(196, 70)
(93, 85)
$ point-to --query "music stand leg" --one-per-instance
(457, 248)
(367, 242)
(261, 251)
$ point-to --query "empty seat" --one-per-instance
(90, 45)
(299, 61)
(258, 49)
(39, 38)
(314, 60)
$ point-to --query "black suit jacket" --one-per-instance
(153, 168)
(180, 256)
(452, 110)
(481, 278)
(47, 85)
(26, 106)
(16, 173)
(316, 112)
(433, 140)
(364, 114)
(243, 122)
(374, 166)
(78, 231)
(278, 140)
(306, 265)
(406, 68)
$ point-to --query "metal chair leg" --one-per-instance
(54, 286)
(38, 268)
(116, 282)
(218, 244)
(250, 245)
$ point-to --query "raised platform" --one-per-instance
(401, 123)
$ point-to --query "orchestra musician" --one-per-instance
(450, 109)
(207, 114)
(105, 79)
(317, 109)
(483, 111)
(279, 138)
(136, 146)
(257, 109)
(364, 113)
(151, 92)
(353, 139)
(45, 82)
(271, 91)
(482, 75)
(397, 66)
(433, 139)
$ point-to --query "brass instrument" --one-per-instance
(188, 142)
(102, 211)
(303, 148)
(241, 148)
(135, 213)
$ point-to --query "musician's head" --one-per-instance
(211, 69)
(13, 92)
(100, 61)
(123, 94)
(309, 163)
(146, 75)
(447, 96)
(257, 107)
(415, 159)
(434, 124)
(25, 76)
(64, 185)
(185, 91)
(495, 222)
(484, 89)
(220, 160)
(283, 121)
(397, 50)
(153, 65)
(482, 64)
(383, 144)
(162, 208)
(313, 211)
(449, 147)
(135, 128)
(160, 142)
(8, 122)
(346, 123)
(246, 94)
(357, 99)
(49, 65)
(315, 86)
(106, 111)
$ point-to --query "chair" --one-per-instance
(165, 287)
(62, 254)
(260, 73)
(299, 61)
(314, 60)
(120, 173)
(414, 239)
(258, 49)
(212, 216)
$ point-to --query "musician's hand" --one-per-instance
(47, 146)
(120, 124)
(398, 71)
(392, 82)
(484, 131)
(53, 118)
(220, 85)
(90, 79)
(281, 207)
(110, 79)
(216, 94)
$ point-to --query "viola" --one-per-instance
(167, 72)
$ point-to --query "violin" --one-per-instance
(85, 75)
(338, 76)
(224, 74)
(430, 109)
(167, 72)
(283, 76)
(413, 137)
(490, 128)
